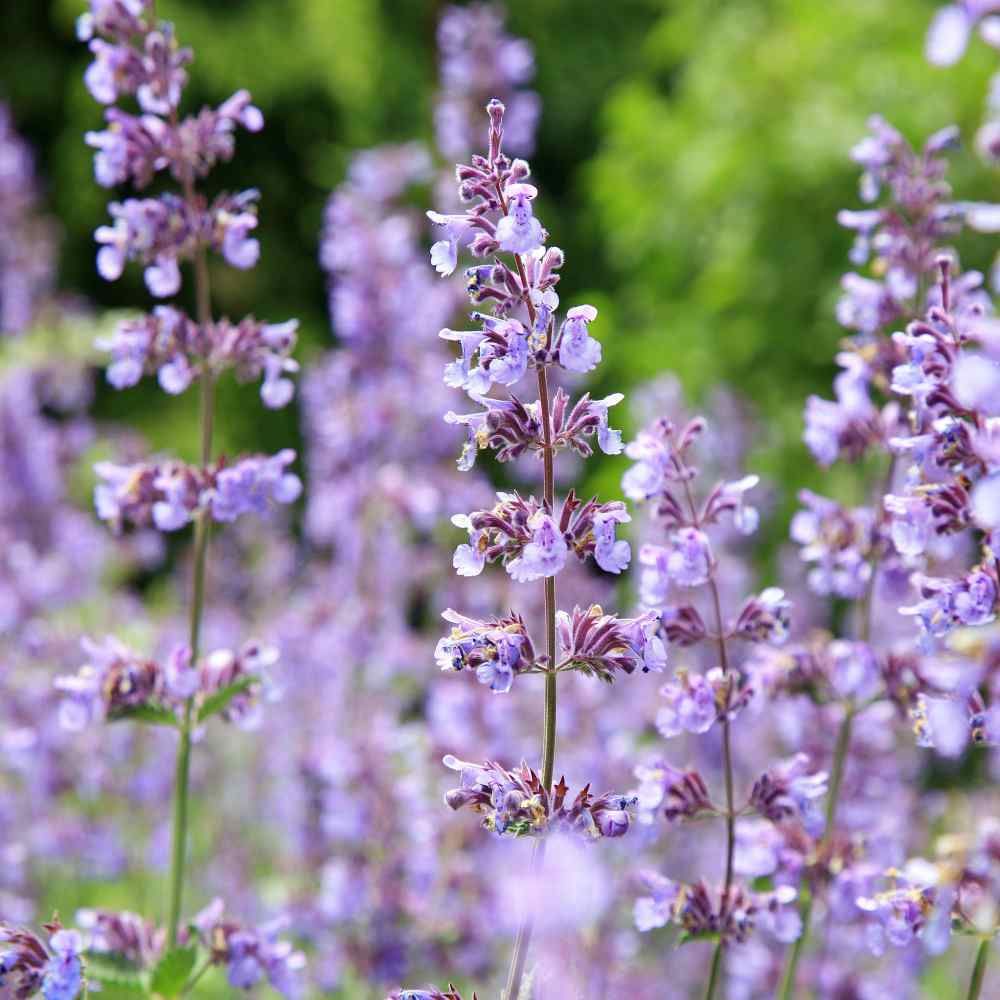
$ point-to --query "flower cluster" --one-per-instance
(115, 683)
(531, 543)
(697, 701)
(250, 954)
(729, 915)
(511, 427)
(479, 60)
(900, 240)
(516, 802)
(429, 994)
(27, 264)
(136, 56)
(180, 351)
(171, 494)
(29, 967)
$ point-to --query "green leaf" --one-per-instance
(686, 937)
(153, 714)
(113, 970)
(219, 702)
(172, 971)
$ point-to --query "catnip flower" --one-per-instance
(680, 794)
(790, 789)
(693, 909)
(27, 256)
(168, 495)
(519, 231)
(116, 683)
(533, 544)
(517, 804)
(578, 351)
(431, 993)
(494, 650)
(601, 644)
(175, 347)
(28, 967)
(695, 702)
(251, 955)
(511, 427)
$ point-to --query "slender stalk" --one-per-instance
(788, 983)
(524, 932)
(833, 797)
(179, 831)
(979, 970)
(840, 750)
(727, 764)
(713, 976)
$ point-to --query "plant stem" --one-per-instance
(788, 983)
(727, 766)
(727, 763)
(840, 750)
(713, 976)
(524, 932)
(179, 831)
(979, 970)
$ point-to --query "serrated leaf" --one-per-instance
(172, 971)
(155, 715)
(113, 970)
(219, 702)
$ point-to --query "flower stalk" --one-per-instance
(979, 970)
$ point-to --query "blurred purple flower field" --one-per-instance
(408, 705)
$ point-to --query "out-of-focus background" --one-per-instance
(691, 158)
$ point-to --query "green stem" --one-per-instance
(979, 970)
(523, 940)
(193, 981)
(788, 983)
(839, 759)
(727, 763)
(182, 774)
(713, 976)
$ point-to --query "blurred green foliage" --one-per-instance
(693, 156)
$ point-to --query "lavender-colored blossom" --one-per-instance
(578, 351)
(695, 702)
(601, 644)
(494, 650)
(516, 803)
(790, 788)
(27, 264)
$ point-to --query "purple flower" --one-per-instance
(611, 554)
(912, 525)
(63, 977)
(692, 704)
(578, 351)
(680, 794)
(657, 909)
(949, 31)
(789, 788)
(602, 644)
(543, 556)
(238, 247)
(687, 562)
(253, 484)
(900, 915)
(519, 231)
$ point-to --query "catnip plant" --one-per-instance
(135, 55)
(532, 539)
